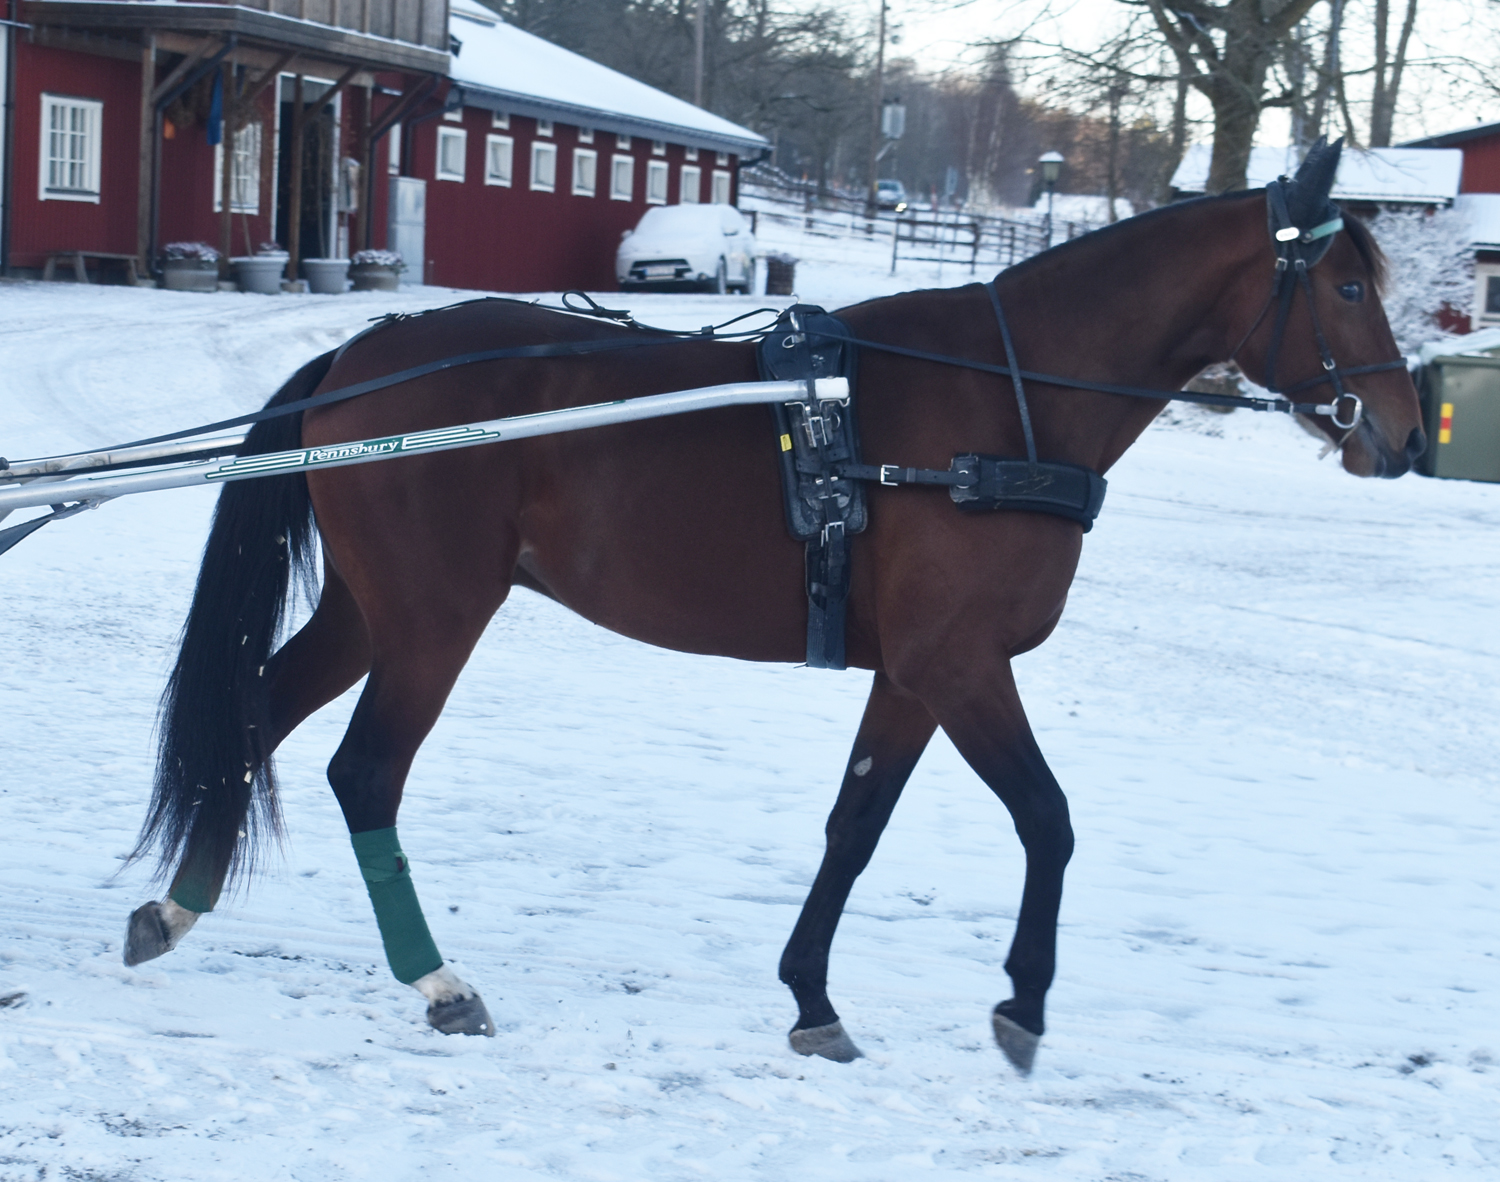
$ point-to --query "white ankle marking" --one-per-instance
(442, 985)
(178, 920)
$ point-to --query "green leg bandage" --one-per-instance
(408, 944)
(194, 889)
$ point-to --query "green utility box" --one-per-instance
(1461, 409)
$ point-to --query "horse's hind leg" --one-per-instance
(326, 656)
(417, 657)
(892, 736)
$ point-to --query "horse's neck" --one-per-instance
(1147, 305)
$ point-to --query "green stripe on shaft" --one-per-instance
(409, 946)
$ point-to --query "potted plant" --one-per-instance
(326, 276)
(261, 272)
(376, 270)
(190, 266)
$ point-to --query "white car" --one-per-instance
(688, 248)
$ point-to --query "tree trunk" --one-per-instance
(1388, 86)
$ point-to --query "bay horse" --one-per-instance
(672, 532)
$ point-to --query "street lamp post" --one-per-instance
(1051, 163)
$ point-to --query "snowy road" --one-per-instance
(1272, 702)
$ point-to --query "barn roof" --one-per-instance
(505, 68)
(1416, 176)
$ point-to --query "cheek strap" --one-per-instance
(409, 947)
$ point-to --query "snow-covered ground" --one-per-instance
(1272, 701)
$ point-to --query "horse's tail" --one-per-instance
(215, 791)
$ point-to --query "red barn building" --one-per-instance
(1479, 198)
(489, 157)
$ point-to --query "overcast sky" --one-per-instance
(942, 36)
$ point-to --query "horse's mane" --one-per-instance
(1359, 233)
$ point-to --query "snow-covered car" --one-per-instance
(688, 248)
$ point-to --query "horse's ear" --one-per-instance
(1314, 180)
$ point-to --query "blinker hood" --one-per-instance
(1301, 218)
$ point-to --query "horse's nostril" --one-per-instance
(1416, 443)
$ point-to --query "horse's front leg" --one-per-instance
(980, 710)
(892, 736)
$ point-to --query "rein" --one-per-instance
(1296, 251)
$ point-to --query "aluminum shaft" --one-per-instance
(363, 451)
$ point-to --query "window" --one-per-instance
(244, 192)
(585, 171)
(393, 158)
(656, 182)
(451, 146)
(499, 151)
(658, 148)
(500, 119)
(70, 149)
(454, 116)
(622, 178)
(622, 142)
(723, 159)
(690, 153)
(720, 195)
(544, 167)
(585, 135)
(691, 185)
(544, 127)
(1492, 294)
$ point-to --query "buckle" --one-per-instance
(895, 469)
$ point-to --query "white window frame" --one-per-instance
(657, 177)
(544, 127)
(623, 142)
(585, 135)
(454, 116)
(493, 175)
(87, 160)
(616, 192)
(500, 119)
(658, 147)
(541, 152)
(582, 157)
(722, 159)
(690, 153)
(450, 135)
(690, 185)
(244, 196)
(393, 154)
(722, 184)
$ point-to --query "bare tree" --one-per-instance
(1226, 51)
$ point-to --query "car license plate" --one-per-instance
(661, 271)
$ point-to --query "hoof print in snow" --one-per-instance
(10, 1001)
(828, 1041)
(146, 935)
(1018, 1043)
(466, 1015)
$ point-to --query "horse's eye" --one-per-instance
(1353, 292)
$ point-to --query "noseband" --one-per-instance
(1297, 251)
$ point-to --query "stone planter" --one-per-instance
(260, 273)
(326, 276)
(190, 275)
(375, 277)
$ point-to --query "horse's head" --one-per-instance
(1323, 336)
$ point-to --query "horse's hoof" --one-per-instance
(1018, 1043)
(464, 1015)
(146, 935)
(828, 1041)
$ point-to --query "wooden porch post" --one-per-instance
(294, 191)
(228, 128)
(147, 157)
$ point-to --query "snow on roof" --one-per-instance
(1483, 212)
(1458, 136)
(1423, 176)
(504, 68)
